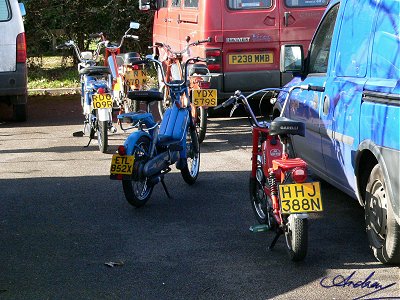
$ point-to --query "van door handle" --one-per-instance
(167, 20)
(327, 104)
(286, 16)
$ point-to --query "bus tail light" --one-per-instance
(214, 66)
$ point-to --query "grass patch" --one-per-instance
(52, 72)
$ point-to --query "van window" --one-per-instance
(192, 3)
(319, 51)
(163, 3)
(249, 4)
(352, 58)
(386, 64)
(306, 3)
(5, 14)
(176, 3)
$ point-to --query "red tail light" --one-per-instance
(21, 48)
(101, 91)
(216, 65)
(299, 175)
(204, 84)
(121, 150)
(135, 67)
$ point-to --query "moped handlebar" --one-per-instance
(172, 53)
(239, 96)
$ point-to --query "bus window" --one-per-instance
(249, 4)
(176, 3)
(306, 3)
(192, 3)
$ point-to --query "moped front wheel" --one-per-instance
(191, 170)
(296, 235)
(102, 135)
(202, 123)
(138, 190)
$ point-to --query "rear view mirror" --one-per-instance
(22, 9)
(291, 58)
(134, 25)
(147, 4)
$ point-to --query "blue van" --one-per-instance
(353, 127)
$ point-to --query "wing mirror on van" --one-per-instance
(134, 25)
(291, 58)
(147, 4)
(22, 9)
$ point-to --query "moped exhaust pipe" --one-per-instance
(160, 162)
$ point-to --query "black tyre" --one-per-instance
(138, 191)
(202, 123)
(382, 229)
(259, 202)
(102, 135)
(191, 170)
(296, 235)
(19, 112)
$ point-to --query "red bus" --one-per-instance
(246, 35)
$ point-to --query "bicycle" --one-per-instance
(280, 190)
(147, 153)
(96, 98)
(199, 90)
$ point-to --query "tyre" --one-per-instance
(202, 123)
(138, 191)
(163, 105)
(260, 202)
(382, 229)
(191, 170)
(102, 135)
(19, 112)
(296, 235)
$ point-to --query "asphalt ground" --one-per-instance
(67, 232)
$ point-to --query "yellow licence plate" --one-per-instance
(251, 58)
(204, 97)
(300, 197)
(122, 164)
(102, 101)
(135, 77)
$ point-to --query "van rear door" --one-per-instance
(300, 18)
(8, 40)
(250, 45)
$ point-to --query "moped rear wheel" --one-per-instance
(138, 191)
(102, 135)
(192, 168)
(296, 235)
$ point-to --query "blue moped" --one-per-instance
(147, 154)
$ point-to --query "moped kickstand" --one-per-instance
(277, 235)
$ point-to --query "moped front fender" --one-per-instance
(132, 139)
(104, 114)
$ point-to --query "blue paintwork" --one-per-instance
(363, 57)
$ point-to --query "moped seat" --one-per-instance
(146, 96)
(285, 126)
(131, 58)
(95, 70)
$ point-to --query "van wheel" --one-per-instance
(19, 112)
(382, 229)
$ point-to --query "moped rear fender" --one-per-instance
(104, 114)
(132, 139)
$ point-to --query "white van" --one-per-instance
(13, 69)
